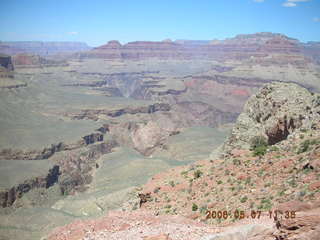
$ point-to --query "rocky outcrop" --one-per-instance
(9, 196)
(275, 112)
(77, 166)
(305, 226)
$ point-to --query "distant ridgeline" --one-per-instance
(42, 48)
(244, 46)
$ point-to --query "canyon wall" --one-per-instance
(239, 47)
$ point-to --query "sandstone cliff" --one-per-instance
(240, 47)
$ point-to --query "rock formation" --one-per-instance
(241, 47)
(275, 113)
(9, 196)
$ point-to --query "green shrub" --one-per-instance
(304, 146)
(274, 149)
(260, 151)
(194, 207)
(184, 172)
(265, 204)
(236, 162)
(244, 199)
(172, 184)
(259, 145)
(197, 174)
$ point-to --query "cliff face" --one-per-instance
(135, 50)
(42, 48)
(240, 47)
(9, 196)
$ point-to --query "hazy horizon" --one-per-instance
(97, 22)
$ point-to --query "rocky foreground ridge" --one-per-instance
(270, 162)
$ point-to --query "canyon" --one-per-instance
(136, 127)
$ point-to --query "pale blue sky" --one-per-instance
(98, 21)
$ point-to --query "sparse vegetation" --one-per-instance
(194, 207)
(198, 173)
(259, 145)
(244, 199)
(236, 162)
(265, 204)
(171, 183)
(305, 145)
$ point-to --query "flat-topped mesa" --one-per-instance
(134, 50)
(256, 38)
(257, 45)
